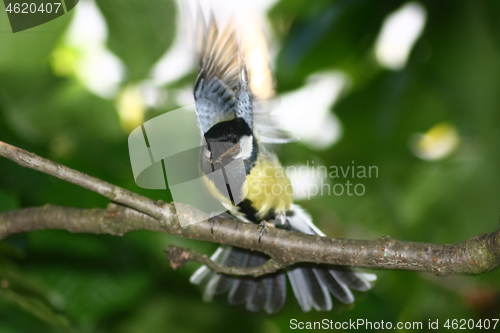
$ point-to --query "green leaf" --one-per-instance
(28, 51)
(140, 31)
(329, 34)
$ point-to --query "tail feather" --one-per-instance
(309, 289)
(297, 280)
(277, 295)
(244, 288)
(260, 295)
(237, 258)
(312, 284)
(335, 285)
(320, 298)
(225, 283)
(241, 291)
(354, 280)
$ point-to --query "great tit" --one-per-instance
(258, 187)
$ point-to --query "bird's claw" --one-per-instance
(212, 221)
(263, 228)
(216, 217)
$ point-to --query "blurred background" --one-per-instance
(410, 88)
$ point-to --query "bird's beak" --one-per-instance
(232, 152)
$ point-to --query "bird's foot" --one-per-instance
(263, 228)
(214, 217)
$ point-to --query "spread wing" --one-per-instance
(221, 90)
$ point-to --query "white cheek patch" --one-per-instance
(246, 144)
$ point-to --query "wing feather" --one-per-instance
(221, 88)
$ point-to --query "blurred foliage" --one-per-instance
(54, 281)
(139, 32)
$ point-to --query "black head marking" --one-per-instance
(228, 131)
(223, 141)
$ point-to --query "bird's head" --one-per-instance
(228, 141)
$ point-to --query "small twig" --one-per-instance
(179, 256)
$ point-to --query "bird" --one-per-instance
(256, 188)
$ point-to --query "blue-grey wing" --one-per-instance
(221, 90)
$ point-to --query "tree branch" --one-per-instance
(114, 193)
(475, 255)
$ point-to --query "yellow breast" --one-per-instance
(268, 187)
